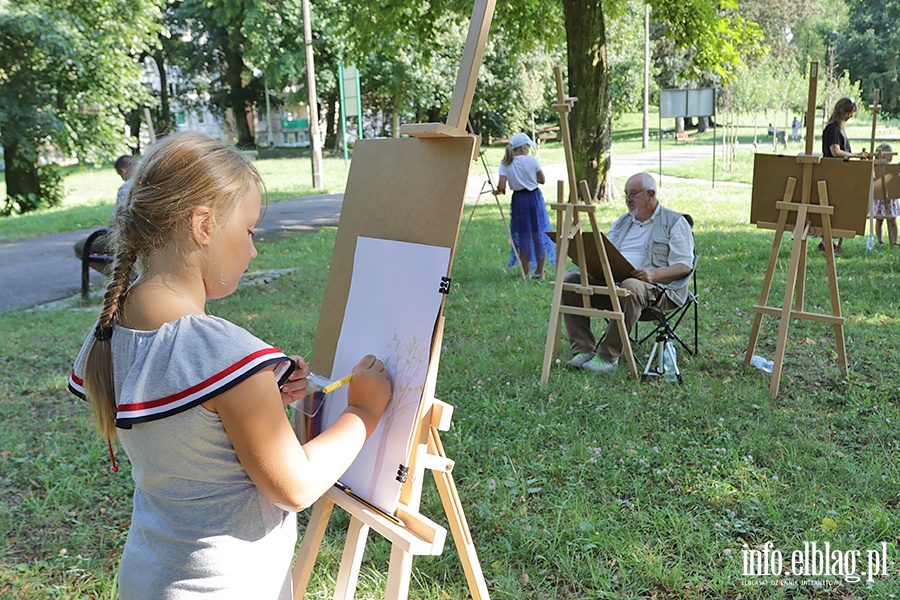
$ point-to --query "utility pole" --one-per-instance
(646, 138)
(315, 145)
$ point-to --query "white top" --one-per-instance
(200, 526)
(521, 173)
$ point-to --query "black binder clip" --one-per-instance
(402, 474)
(445, 285)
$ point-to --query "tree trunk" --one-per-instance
(588, 71)
(703, 124)
(233, 76)
(164, 126)
(333, 115)
(133, 119)
(21, 174)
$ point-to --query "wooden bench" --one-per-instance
(682, 136)
(94, 260)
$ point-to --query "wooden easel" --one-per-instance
(569, 227)
(875, 107)
(409, 532)
(794, 289)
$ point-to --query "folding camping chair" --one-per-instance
(665, 325)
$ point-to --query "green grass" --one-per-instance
(590, 487)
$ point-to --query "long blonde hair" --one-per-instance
(179, 174)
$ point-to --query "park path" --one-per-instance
(44, 269)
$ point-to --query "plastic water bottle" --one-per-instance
(762, 364)
(870, 244)
(669, 359)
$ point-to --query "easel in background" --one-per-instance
(568, 226)
(875, 108)
(394, 211)
(488, 187)
(886, 182)
(844, 182)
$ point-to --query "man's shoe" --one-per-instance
(598, 365)
(577, 361)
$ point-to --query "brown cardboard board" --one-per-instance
(621, 268)
(406, 189)
(887, 181)
(848, 190)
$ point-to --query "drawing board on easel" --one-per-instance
(395, 243)
(887, 181)
(848, 191)
(621, 268)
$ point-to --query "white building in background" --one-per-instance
(290, 128)
(290, 124)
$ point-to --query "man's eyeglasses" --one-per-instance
(630, 195)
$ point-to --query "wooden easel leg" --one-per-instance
(831, 268)
(770, 272)
(345, 587)
(399, 574)
(626, 347)
(801, 275)
(459, 527)
(553, 328)
(309, 547)
(790, 286)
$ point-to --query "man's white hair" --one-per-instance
(647, 181)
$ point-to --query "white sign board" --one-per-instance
(699, 102)
(351, 100)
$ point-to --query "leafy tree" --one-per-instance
(233, 46)
(65, 74)
(717, 39)
(812, 34)
(869, 50)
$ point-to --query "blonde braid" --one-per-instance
(98, 372)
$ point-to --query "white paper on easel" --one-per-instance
(391, 311)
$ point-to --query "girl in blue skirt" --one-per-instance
(528, 219)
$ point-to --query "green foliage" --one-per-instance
(49, 193)
(67, 69)
(228, 50)
(626, 58)
(868, 48)
(718, 38)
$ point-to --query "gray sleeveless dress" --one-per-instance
(199, 526)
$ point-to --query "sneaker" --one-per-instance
(578, 360)
(537, 276)
(598, 365)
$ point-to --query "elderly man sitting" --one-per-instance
(661, 242)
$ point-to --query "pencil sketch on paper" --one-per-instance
(391, 311)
